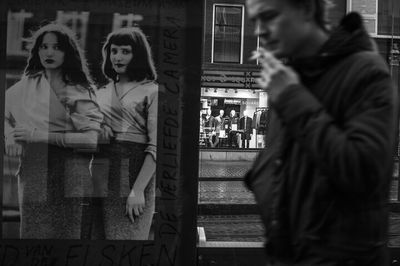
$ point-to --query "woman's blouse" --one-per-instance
(32, 103)
(133, 114)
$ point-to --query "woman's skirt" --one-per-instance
(122, 161)
(52, 184)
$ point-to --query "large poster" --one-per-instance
(98, 132)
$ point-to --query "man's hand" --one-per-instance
(274, 74)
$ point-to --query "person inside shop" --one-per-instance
(233, 129)
(323, 181)
(245, 124)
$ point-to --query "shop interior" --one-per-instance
(233, 127)
(233, 118)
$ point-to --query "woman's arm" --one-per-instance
(86, 140)
(12, 148)
(86, 120)
(136, 202)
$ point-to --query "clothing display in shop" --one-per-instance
(220, 122)
(209, 129)
(233, 122)
(208, 135)
(261, 120)
(225, 123)
(208, 123)
(245, 124)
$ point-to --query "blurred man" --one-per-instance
(322, 185)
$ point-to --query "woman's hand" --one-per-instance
(135, 204)
(12, 148)
(29, 135)
(106, 134)
(23, 134)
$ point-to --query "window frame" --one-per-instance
(376, 17)
(83, 16)
(131, 18)
(14, 46)
(241, 32)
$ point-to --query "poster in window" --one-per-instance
(94, 97)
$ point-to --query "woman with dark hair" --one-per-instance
(129, 103)
(52, 122)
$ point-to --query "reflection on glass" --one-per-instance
(234, 119)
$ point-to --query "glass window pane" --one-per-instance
(227, 34)
(389, 17)
(228, 16)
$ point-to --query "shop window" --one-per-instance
(17, 32)
(227, 44)
(76, 21)
(125, 20)
(233, 118)
(230, 139)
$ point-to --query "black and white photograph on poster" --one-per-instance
(83, 155)
(91, 89)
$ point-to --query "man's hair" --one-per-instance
(320, 8)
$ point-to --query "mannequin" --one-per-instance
(209, 129)
(218, 122)
(245, 124)
(232, 129)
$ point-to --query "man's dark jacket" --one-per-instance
(322, 182)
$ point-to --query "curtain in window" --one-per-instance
(389, 17)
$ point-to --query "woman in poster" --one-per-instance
(129, 103)
(52, 123)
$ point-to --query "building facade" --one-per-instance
(227, 212)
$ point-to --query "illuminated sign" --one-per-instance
(229, 79)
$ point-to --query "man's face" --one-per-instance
(283, 29)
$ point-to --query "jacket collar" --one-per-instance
(348, 38)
